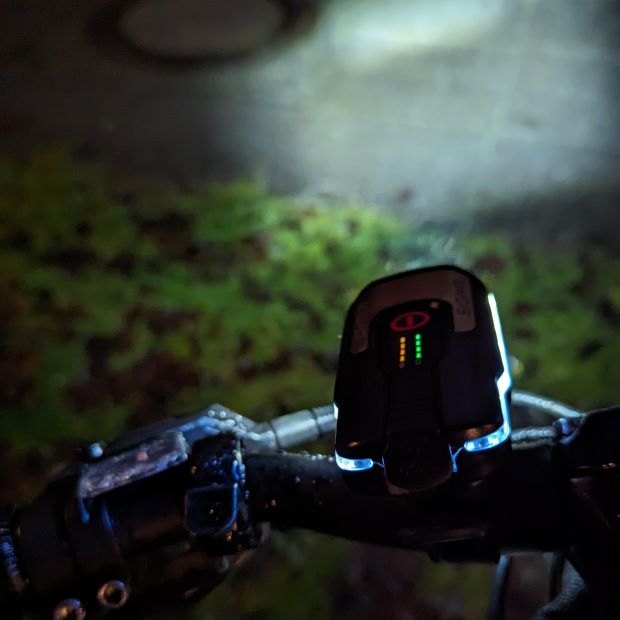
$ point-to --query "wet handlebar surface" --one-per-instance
(562, 495)
(521, 506)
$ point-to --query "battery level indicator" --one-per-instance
(403, 352)
(418, 347)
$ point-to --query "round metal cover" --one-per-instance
(180, 32)
(202, 27)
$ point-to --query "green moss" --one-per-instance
(560, 316)
(232, 293)
(459, 591)
(291, 579)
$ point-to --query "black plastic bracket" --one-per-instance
(215, 508)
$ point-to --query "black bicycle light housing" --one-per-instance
(423, 380)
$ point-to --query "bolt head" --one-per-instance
(69, 609)
(113, 594)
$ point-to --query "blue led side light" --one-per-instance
(453, 456)
(504, 383)
(353, 464)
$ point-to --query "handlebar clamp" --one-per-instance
(215, 508)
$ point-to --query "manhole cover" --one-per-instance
(202, 27)
(178, 31)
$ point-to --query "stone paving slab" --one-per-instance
(439, 109)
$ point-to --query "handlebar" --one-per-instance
(561, 495)
(185, 510)
(521, 507)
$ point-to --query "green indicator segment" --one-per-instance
(418, 346)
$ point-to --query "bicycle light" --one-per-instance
(423, 383)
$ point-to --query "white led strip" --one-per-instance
(504, 383)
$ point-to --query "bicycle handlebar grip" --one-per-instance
(522, 505)
(311, 492)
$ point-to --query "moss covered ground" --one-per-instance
(122, 302)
